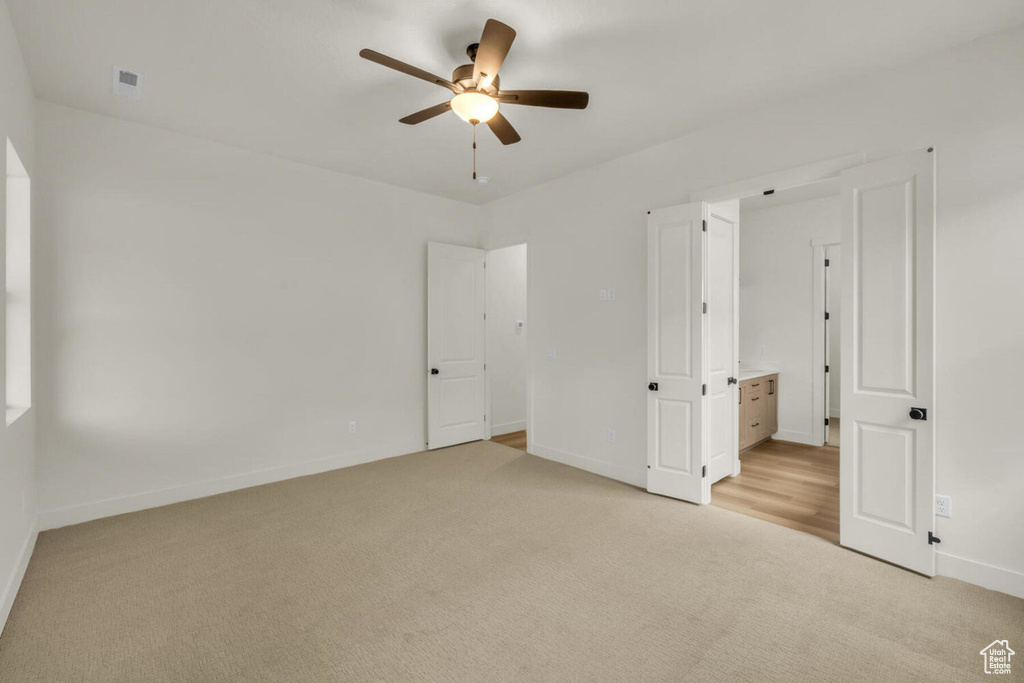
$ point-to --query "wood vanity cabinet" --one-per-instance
(759, 410)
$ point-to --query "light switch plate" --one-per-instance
(611, 294)
(552, 355)
(351, 427)
(604, 295)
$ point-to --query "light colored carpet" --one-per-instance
(478, 563)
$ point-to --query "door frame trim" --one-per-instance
(818, 432)
(780, 180)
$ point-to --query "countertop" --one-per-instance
(753, 374)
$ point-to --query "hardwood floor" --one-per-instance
(786, 483)
(512, 439)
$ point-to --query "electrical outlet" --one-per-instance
(762, 349)
(351, 427)
(552, 355)
(604, 295)
(943, 506)
(611, 436)
(611, 294)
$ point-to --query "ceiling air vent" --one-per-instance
(127, 83)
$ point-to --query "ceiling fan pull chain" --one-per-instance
(474, 150)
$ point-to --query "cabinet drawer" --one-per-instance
(751, 388)
(755, 408)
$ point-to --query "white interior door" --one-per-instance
(887, 459)
(722, 405)
(456, 334)
(675, 353)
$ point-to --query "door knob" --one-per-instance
(434, 371)
(918, 413)
(653, 386)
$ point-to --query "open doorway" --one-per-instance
(507, 357)
(785, 475)
(886, 468)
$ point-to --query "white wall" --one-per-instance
(17, 466)
(776, 302)
(587, 231)
(834, 277)
(213, 318)
(506, 345)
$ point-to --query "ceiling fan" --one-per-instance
(477, 95)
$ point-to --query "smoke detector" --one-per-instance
(127, 83)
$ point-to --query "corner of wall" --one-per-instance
(14, 581)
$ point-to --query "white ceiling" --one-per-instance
(284, 76)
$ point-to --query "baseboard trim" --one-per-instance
(508, 428)
(14, 581)
(605, 469)
(980, 574)
(56, 518)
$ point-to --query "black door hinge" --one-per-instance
(826, 263)
(826, 422)
(704, 226)
(703, 389)
(826, 315)
(732, 380)
(703, 471)
(933, 539)
(826, 368)
(705, 306)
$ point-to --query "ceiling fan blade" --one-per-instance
(494, 45)
(503, 129)
(392, 63)
(559, 99)
(428, 113)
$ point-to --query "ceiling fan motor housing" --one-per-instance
(463, 76)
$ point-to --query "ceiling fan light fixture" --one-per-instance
(474, 107)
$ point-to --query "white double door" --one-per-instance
(692, 429)
(887, 450)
